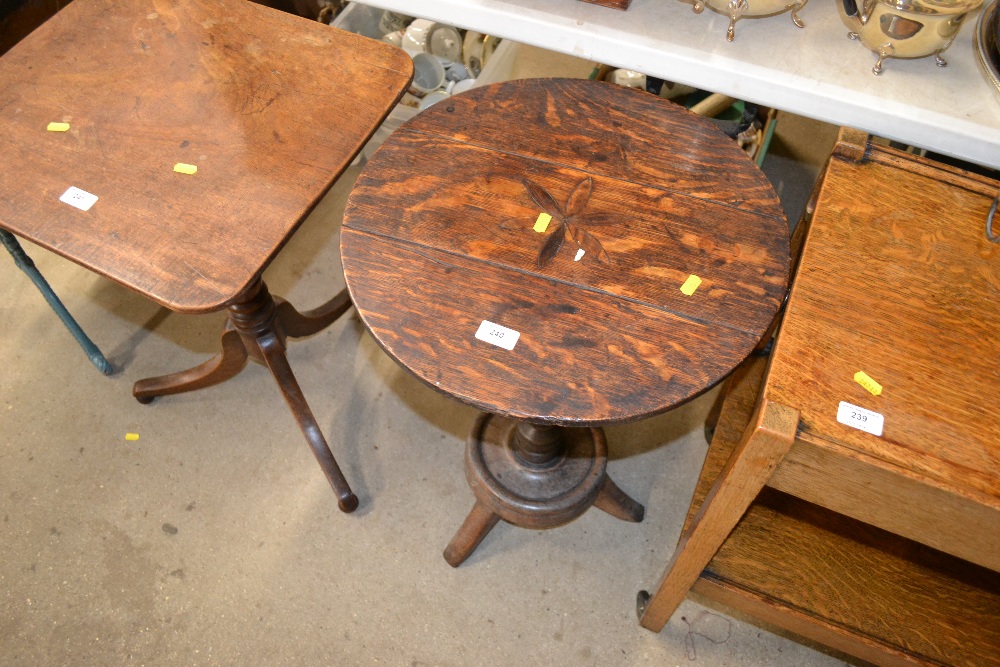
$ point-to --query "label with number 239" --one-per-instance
(860, 418)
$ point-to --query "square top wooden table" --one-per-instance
(269, 107)
(522, 248)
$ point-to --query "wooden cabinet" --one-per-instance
(884, 543)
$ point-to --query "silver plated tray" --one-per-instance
(987, 43)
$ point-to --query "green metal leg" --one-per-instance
(24, 263)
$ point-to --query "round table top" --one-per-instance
(523, 246)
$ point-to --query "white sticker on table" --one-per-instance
(495, 334)
(78, 198)
(859, 418)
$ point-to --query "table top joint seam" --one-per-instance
(523, 272)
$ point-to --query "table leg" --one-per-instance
(233, 357)
(273, 350)
(256, 329)
(534, 476)
(225, 365)
(617, 503)
(476, 526)
(299, 325)
(765, 443)
(25, 263)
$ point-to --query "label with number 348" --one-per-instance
(494, 334)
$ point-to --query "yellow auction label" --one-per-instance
(542, 223)
(691, 284)
(871, 385)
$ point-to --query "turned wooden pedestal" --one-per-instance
(534, 476)
(257, 328)
(221, 87)
(521, 247)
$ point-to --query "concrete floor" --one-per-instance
(215, 540)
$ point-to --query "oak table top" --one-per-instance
(522, 247)
(195, 137)
(269, 107)
(439, 236)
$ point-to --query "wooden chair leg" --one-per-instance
(477, 525)
(766, 441)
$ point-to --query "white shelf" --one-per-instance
(815, 72)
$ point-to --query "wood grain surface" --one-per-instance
(439, 236)
(850, 586)
(270, 107)
(898, 280)
(891, 499)
(602, 129)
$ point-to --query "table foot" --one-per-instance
(225, 365)
(476, 526)
(256, 329)
(617, 503)
(534, 476)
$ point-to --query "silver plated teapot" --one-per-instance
(737, 9)
(906, 28)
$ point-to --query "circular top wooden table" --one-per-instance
(449, 258)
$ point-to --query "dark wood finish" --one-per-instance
(19, 17)
(444, 209)
(901, 283)
(257, 328)
(477, 525)
(271, 108)
(535, 476)
(438, 237)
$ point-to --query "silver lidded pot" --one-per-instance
(737, 9)
(906, 28)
